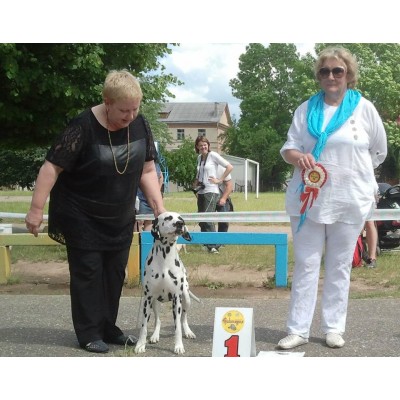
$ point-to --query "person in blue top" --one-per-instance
(144, 207)
(335, 141)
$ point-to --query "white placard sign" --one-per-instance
(234, 332)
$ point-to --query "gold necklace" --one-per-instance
(112, 151)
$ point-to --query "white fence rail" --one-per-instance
(244, 216)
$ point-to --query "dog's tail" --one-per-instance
(194, 297)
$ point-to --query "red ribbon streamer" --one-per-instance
(305, 197)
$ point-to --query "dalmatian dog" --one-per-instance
(165, 280)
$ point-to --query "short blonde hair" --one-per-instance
(340, 54)
(121, 85)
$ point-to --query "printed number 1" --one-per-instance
(232, 344)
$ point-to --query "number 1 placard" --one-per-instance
(234, 332)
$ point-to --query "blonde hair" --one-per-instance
(340, 54)
(121, 85)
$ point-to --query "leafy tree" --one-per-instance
(271, 83)
(19, 167)
(44, 85)
(182, 164)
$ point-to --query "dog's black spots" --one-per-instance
(150, 260)
(171, 275)
(181, 288)
(177, 263)
(163, 253)
(156, 276)
(167, 249)
(182, 279)
(176, 283)
(179, 310)
(163, 276)
(144, 274)
(160, 298)
(170, 296)
(173, 313)
(169, 218)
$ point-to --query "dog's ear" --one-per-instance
(154, 230)
(186, 234)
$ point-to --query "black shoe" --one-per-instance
(370, 263)
(123, 340)
(97, 346)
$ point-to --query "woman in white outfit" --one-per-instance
(335, 141)
(207, 181)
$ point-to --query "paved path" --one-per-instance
(40, 326)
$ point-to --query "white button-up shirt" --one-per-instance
(350, 156)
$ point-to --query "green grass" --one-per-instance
(185, 202)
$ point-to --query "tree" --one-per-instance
(271, 83)
(182, 164)
(44, 85)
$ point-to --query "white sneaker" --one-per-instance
(334, 340)
(214, 250)
(291, 341)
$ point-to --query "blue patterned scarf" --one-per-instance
(315, 119)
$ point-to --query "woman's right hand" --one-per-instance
(33, 220)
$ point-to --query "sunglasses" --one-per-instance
(337, 72)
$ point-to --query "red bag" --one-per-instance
(358, 253)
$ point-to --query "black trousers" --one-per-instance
(97, 278)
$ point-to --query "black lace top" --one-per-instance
(91, 205)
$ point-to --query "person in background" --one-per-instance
(224, 203)
(335, 141)
(92, 173)
(371, 236)
(206, 182)
(144, 207)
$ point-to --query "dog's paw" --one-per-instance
(140, 348)
(189, 335)
(179, 349)
(154, 338)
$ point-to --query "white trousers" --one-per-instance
(338, 241)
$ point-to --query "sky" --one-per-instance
(206, 69)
